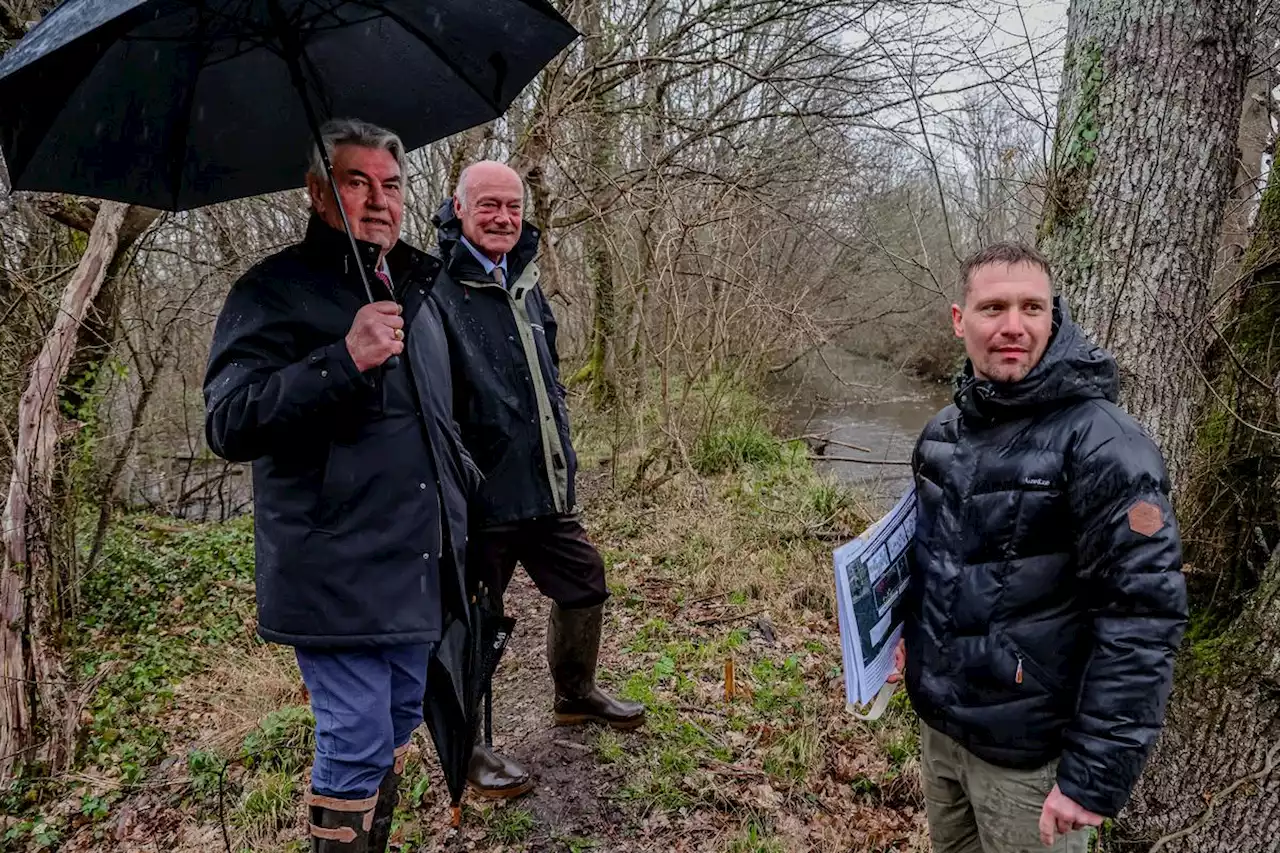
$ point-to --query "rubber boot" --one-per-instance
(488, 773)
(340, 826)
(573, 650)
(496, 776)
(388, 799)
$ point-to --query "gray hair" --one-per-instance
(351, 131)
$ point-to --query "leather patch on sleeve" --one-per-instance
(1145, 518)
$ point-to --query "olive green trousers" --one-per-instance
(976, 807)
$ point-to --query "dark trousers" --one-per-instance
(554, 550)
(367, 702)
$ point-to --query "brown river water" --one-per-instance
(863, 402)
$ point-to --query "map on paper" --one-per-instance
(871, 575)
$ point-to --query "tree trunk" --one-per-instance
(651, 219)
(31, 680)
(1142, 165)
(465, 150)
(1212, 784)
(600, 369)
(530, 159)
(1234, 496)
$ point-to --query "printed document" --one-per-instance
(871, 576)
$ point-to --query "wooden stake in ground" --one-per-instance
(30, 675)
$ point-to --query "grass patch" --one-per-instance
(755, 839)
(161, 598)
(284, 741)
(509, 825)
(267, 804)
(735, 446)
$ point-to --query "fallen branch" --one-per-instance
(818, 436)
(819, 457)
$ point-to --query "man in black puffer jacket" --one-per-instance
(1046, 598)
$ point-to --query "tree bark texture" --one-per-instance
(531, 160)
(1234, 499)
(1143, 158)
(30, 676)
(1212, 784)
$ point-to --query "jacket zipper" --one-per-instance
(1017, 676)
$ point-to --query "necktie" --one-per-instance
(386, 280)
(500, 277)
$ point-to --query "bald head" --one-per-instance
(490, 203)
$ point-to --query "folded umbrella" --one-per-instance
(459, 676)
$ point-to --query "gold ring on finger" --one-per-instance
(399, 334)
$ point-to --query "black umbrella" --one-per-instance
(175, 104)
(459, 677)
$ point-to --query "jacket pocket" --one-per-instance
(337, 487)
(1025, 665)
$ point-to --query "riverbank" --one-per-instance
(198, 732)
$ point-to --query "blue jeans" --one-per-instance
(367, 703)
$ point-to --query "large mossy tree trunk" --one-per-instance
(1212, 785)
(1142, 166)
(1143, 161)
(1235, 503)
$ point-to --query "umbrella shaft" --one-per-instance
(292, 50)
(488, 715)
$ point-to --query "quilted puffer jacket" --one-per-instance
(1046, 599)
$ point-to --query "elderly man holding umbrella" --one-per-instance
(360, 479)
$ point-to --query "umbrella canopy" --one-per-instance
(175, 104)
(459, 677)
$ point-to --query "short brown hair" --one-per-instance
(1008, 252)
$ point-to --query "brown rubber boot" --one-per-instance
(496, 776)
(388, 799)
(573, 650)
(340, 826)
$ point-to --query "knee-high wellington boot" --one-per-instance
(573, 650)
(388, 799)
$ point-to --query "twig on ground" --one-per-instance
(707, 598)
(817, 436)
(720, 619)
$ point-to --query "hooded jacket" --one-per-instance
(508, 399)
(1046, 599)
(360, 480)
